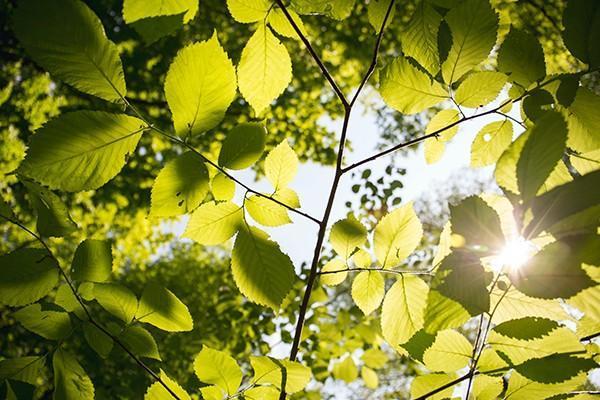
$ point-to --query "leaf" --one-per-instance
(53, 218)
(487, 387)
(346, 235)
(117, 300)
(265, 69)
(407, 89)
(212, 393)
(420, 37)
(584, 122)
(369, 377)
(161, 308)
(76, 52)
(281, 165)
(506, 167)
(477, 223)
(248, 11)
(70, 380)
(526, 328)
(22, 369)
(180, 186)
(156, 391)
(199, 87)
(98, 340)
(368, 289)
(474, 25)
(515, 305)
(521, 388)
(434, 147)
(556, 270)
(491, 141)
(243, 146)
(518, 46)
(403, 309)
(261, 271)
(26, 276)
(266, 212)
(218, 368)
(424, 384)
(333, 279)
(223, 188)
(345, 370)
(92, 261)
(213, 223)
(376, 12)
(65, 299)
(374, 358)
(397, 235)
(262, 393)
(49, 324)
(268, 370)
(140, 342)
(280, 24)
(156, 18)
(581, 20)
(480, 88)
(449, 352)
(537, 103)
(81, 150)
(5, 209)
(542, 151)
(287, 196)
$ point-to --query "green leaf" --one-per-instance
(268, 370)
(98, 340)
(526, 328)
(281, 165)
(487, 387)
(424, 384)
(117, 300)
(280, 24)
(156, 18)
(67, 39)
(53, 218)
(67, 301)
(435, 147)
(584, 122)
(542, 151)
(156, 391)
(553, 210)
(22, 369)
(199, 87)
(369, 377)
(213, 223)
(26, 276)
(397, 235)
(180, 186)
(480, 88)
(420, 37)
(222, 187)
(491, 141)
(537, 103)
(5, 209)
(161, 308)
(376, 11)
(81, 150)
(266, 212)
(248, 11)
(218, 368)
(403, 309)
(417, 344)
(346, 235)
(506, 167)
(345, 370)
(449, 352)
(265, 69)
(556, 270)
(243, 146)
(521, 388)
(368, 289)
(407, 89)
(70, 380)
(581, 20)
(287, 196)
(518, 46)
(153, 28)
(261, 271)
(92, 261)
(140, 342)
(474, 25)
(515, 304)
(212, 393)
(477, 223)
(374, 358)
(49, 324)
(262, 393)
(333, 279)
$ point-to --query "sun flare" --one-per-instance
(514, 255)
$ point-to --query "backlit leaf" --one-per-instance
(491, 141)
(53, 218)
(281, 165)
(213, 223)
(49, 324)
(157, 391)
(449, 352)
(218, 368)
(92, 261)
(420, 37)
(368, 289)
(247, 11)
(397, 236)
(518, 46)
(480, 88)
(346, 235)
(266, 212)
(117, 300)
(70, 379)
(243, 146)
(581, 19)
(160, 307)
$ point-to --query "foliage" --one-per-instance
(522, 267)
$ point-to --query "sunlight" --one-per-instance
(515, 254)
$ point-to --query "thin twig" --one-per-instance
(511, 118)
(86, 310)
(382, 270)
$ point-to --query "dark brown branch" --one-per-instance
(86, 310)
(314, 55)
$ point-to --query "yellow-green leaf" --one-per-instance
(397, 236)
(330, 278)
(213, 223)
(420, 37)
(480, 88)
(156, 391)
(346, 235)
(491, 141)
(346, 370)
(435, 146)
(266, 212)
(281, 165)
(248, 11)
(92, 261)
(161, 308)
(449, 352)
(368, 289)
(218, 368)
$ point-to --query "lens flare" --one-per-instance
(514, 255)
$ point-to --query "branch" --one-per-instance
(382, 270)
(314, 55)
(544, 13)
(86, 310)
